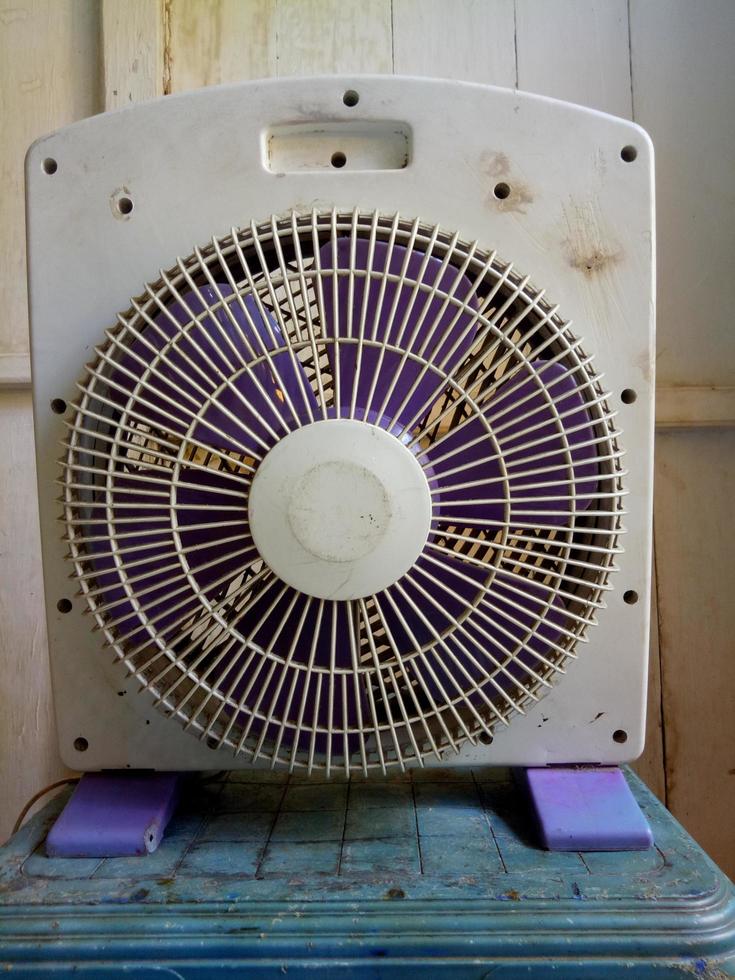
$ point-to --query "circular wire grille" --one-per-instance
(398, 324)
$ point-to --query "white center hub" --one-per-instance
(340, 509)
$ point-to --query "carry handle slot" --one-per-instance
(358, 145)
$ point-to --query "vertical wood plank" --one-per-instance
(576, 50)
(213, 42)
(28, 753)
(683, 92)
(229, 40)
(695, 482)
(132, 51)
(324, 36)
(684, 95)
(472, 40)
(48, 77)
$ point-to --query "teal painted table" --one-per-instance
(435, 874)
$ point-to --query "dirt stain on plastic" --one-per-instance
(496, 169)
(588, 246)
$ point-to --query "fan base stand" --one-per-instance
(586, 808)
(115, 814)
(125, 813)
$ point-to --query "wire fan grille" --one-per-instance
(342, 315)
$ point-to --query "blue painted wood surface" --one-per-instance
(436, 873)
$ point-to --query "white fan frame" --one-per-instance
(578, 220)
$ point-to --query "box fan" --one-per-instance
(360, 478)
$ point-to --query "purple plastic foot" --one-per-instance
(115, 814)
(587, 809)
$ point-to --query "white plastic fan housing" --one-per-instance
(339, 509)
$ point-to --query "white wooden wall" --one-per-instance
(666, 63)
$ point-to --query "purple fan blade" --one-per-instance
(471, 448)
(269, 635)
(343, 712)
(523, 402)
(277, 392)
(454, 588)
(436, 582)
(198, 357)
(212, 498)
(149, 554)
(508, 626)
(423, 334)
(512, 616)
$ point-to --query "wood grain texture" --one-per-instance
(15, 370)
(48, 77)
(28, 754)
(695, 542)
(575, 50)
(132, 51)
(473, 41)
(684, 95)
(217, 41)
(221, 41)
(333, 36)
(689, 406)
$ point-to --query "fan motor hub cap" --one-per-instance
(340, 509)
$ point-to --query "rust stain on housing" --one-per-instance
(496, 167)
(495, 164)
(594, 262)
(588, 246)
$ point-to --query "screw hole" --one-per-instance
(631, 597)
(81, 744)
(501, 190)
(58, 405)
(212, 743)
(338, 159)
(350, 98)
(124, 205)
(620, 735)
(486, 738)
(64, 605)
(628, 154)
(628, 396)
(50, 166)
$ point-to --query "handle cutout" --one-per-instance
(365, 145)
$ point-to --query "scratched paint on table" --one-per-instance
(436, 834)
